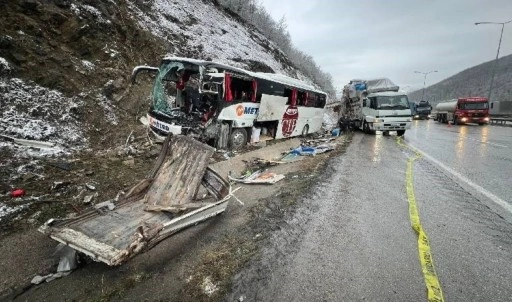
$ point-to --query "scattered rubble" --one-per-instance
(68, 262)
(259, 177)
(171, 187)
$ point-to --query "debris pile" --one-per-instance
(256, 172)
(158, 206)
(310, 148)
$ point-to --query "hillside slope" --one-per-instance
(65, 70)
(473, 81)
(65, 65)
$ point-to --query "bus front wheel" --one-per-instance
(238, 138)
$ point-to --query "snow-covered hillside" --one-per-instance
(195, 28)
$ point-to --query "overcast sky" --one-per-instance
(394, 38)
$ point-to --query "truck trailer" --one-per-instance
(463, 110)
(377, 105)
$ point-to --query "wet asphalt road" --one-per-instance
(352, 240)
(482, 154)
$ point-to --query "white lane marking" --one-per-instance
(505, 205)
(488, 143)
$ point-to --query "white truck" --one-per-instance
(377, 105)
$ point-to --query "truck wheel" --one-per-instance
(400, 132)
(366, 129)
(454, 120)
(385, 133)
(238, 138)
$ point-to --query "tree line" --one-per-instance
(255, 14)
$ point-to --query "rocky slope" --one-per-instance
(64, 80)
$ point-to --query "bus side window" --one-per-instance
(288, 94)
(312, 100)
(320, 101)
(301, 98)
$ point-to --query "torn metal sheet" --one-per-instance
(28, 142)
(115, 236)
(270, 107)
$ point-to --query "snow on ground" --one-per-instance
(29, 111)
(32, 112)
(220, 37)
(7, 210)
(4, 66)
(80, 9)
(330, 119)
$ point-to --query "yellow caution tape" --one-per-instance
(434, 291)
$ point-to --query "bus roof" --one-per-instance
(279, 78)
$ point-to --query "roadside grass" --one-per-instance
(117, 292)
(211, 279)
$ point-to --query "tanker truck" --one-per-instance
(377, 105)
(463, 110)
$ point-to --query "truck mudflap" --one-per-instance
(160, 205)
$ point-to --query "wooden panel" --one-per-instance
(180, 176)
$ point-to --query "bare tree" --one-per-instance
(255, 14)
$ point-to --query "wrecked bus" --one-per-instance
(224, 106)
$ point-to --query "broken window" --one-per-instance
(165, 88)
(240, 88)
(291, 94)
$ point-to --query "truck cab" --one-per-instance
(423, 110)
(386, 111)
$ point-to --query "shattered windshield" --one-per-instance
(165, 81)
(392, 102)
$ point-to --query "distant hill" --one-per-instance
(473, 81)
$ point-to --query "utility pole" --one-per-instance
(424, 81)
(493, 71)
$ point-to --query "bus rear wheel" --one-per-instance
(238, 138)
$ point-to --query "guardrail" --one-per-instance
(501, 121)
